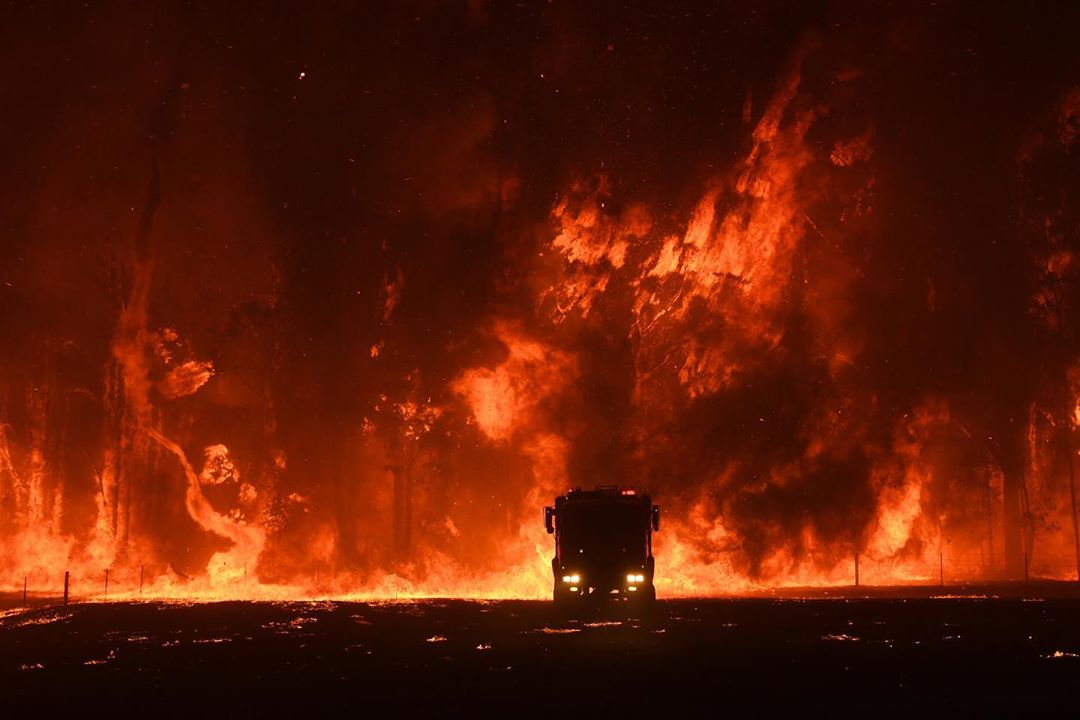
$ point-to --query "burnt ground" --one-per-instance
(713, 657)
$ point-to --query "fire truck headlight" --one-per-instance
(632, 578)
(575, 578)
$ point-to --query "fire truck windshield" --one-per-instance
(603, 528)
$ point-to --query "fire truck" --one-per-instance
(603, 545)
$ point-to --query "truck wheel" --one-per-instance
(647, 596)
(564, 600)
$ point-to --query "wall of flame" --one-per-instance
(332, 302)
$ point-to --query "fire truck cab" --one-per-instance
(603, 544)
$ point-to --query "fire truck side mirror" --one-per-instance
(656, 518)
(549, 516)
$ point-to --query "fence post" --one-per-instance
(106, 583)
(1025, 566)
(856, 569)
(24, 592)
(941, 568)
(140, 578)
(66, 577)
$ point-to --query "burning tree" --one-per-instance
(263, 322)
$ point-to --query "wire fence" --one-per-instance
(947, 568)
(70, 587)
(951, 567)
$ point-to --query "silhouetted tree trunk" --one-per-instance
(1069, 450)
(989, 524)
(1011, 530)
(1008, 452)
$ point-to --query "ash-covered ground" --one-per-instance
(925, 654)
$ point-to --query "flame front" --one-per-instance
(281, 360)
